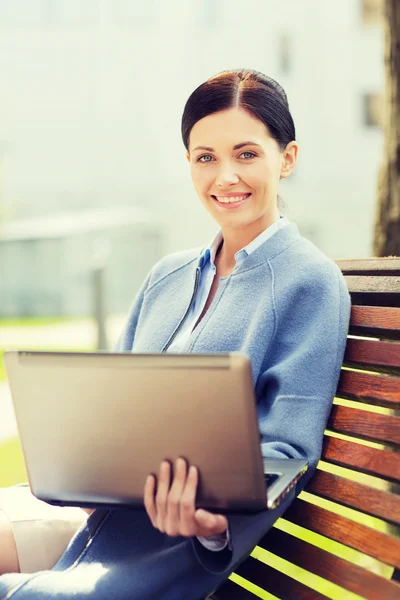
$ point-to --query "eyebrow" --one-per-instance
(235, 147)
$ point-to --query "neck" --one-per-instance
(234, 239)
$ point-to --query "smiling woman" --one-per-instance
(259, 288)
(251, 145)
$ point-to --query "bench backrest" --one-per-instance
(359, 553)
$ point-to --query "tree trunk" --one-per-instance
(387, 219)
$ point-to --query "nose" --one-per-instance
(226, 176)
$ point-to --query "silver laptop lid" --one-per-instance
(94, 425)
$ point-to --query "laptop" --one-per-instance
(94, 425)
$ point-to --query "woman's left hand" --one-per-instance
(172, 508)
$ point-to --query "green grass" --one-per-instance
(2, 368)
(36, 321)
(3, 375)
(12, 467)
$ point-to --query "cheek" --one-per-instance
(264, 175)
(202, 179)
(257, 176)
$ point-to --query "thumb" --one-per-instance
(213, 523)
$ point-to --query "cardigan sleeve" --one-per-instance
(296, 390)
(126, 339)
(294, 396)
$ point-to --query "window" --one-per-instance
(284, 53)
(371, 12)
(373, 110)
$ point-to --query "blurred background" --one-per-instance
(94, 184)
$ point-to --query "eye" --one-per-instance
(204, 156)
(252, 155)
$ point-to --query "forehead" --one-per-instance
(227, 128)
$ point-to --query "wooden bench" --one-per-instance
(360, 469)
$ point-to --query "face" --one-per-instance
(236, 166)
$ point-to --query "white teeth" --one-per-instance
(225, 200)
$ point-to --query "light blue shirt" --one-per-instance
(208, 271)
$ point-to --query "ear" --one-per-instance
(188, 156)
(289, 157)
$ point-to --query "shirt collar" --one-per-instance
(211, 250)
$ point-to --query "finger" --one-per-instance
(188, 504)
(209, 523)
(164, 480)
(149, 503)
(172, 526)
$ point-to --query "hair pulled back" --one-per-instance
(250, 90)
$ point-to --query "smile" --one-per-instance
(230, 201)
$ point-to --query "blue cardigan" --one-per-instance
(287, 307)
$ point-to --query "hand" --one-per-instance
(172, 510)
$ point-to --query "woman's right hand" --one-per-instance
(171, 505)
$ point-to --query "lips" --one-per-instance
(231, 205)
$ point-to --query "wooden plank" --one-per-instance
(375, 321)
(330, 567)
(382, 463)
(379, 389)
(382, 356)
(368, 284)
(377, 503)
(365, 424)
(387, 299)
(373, 266)
(275, 582)
(381, 546)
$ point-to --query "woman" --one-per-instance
(260, 288)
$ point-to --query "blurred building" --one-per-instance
(48, 264)
(92, 95)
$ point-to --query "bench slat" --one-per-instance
(382, 463)
(370, 284)
(365, 424)
(381, 546)
(375, 299)
(275, 582)
(365, 266)
(330, 567)
(377, 503)
(375, 321)
(373, 354)
(379, 389)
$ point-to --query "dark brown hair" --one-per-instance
(253, 91)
